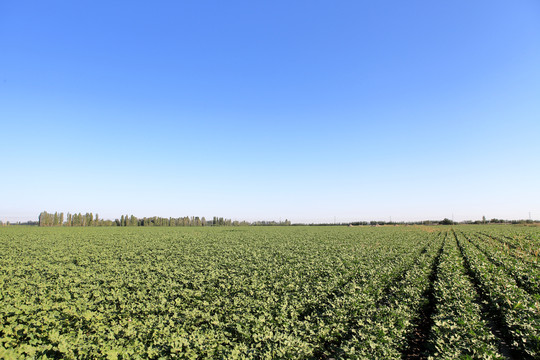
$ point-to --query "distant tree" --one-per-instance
(446, 222)
(46, 219)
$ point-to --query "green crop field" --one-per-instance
(270, 292)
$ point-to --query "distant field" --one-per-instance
(270, 292)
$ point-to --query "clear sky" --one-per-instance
(306, 110)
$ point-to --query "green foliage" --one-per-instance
(458, 331)
(258, 292)
(520, 309)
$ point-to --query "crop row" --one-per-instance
(384, 324)
(517, 254)
(525, 274)
(524, 244)
(518, 313)
(459, 328)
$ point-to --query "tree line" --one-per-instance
(89, 219)
(58, 219)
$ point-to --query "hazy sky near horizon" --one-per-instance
(306, 110)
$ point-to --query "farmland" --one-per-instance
(270, 292)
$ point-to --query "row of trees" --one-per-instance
(88, 219)
(57, 219)
(126, 220)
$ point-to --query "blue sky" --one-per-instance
(306, 110)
